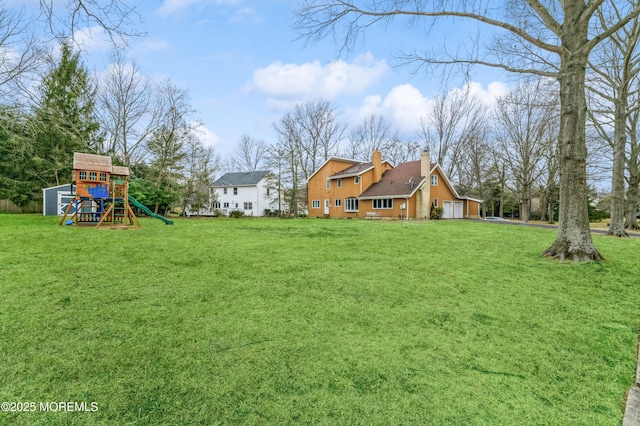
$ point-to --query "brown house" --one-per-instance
(346, 188)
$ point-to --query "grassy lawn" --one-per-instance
(313, 321)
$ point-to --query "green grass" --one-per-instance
(313, 321)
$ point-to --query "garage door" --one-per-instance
(457, 210)
(447, 206)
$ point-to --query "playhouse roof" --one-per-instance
(120, 170)
(97, 163)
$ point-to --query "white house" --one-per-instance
(248, 192)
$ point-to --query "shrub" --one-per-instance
(436, 212)
(236, 213)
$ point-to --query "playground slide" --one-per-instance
(149, 212)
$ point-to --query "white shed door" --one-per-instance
(64, 198)
(457, 210)
(447, 206)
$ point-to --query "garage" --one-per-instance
(457, 210)
(447, 207)
(453, 209)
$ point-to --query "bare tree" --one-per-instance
(290, 158)
(201, 166)
(320, 132)
(250, 154)
(633, 164)
(127, 110)
(21, 57)
(614, 66)
(373, 133)
(456, 119)
(545, 38)
(398, 151)
(117, 18)
(167, 144)
(476, 169)
(523, 119)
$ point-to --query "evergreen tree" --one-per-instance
(65, 120)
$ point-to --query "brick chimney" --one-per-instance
(377, 165)
(424, 195)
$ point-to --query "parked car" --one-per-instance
(493, 218)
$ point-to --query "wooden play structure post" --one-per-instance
(101, 196)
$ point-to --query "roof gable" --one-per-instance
(241, 178)
(338, 159)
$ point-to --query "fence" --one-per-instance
(6, 206)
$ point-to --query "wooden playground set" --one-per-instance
(101, 196)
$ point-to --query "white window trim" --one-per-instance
(328, 184)
(434, 180)
(356, 180)
(382, 202)
(339, 183)
(315, 204)
(435, 202)
(338, 202)
(353, 201)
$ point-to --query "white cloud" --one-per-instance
(150, 45)
(489, 95)
(92, 39)
(207, 137)
(291, 82)
(404, 105)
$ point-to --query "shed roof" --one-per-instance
(241, 178)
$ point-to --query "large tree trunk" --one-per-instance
(616, 224)
(574, 237)
(631, 221)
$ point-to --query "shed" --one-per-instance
(55, 199)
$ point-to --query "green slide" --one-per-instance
(149, 212)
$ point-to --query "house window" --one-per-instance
(216, 204)
(103, 177)
(226, 205)
(338, 202)
(435, 202)
(236, 205)
(83, 175)
(386, 203)
(235, 191)
(248, 206)
(356, 180)
(224, 191)
(315, 204)
(328, 184)
(351, 205)
(93, 176)
(339, 184)
(434, 180)
(267, 192)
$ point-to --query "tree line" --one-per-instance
(573, 114)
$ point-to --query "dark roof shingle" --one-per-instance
(399, 182)
(241, 178)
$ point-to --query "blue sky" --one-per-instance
(243, 68)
